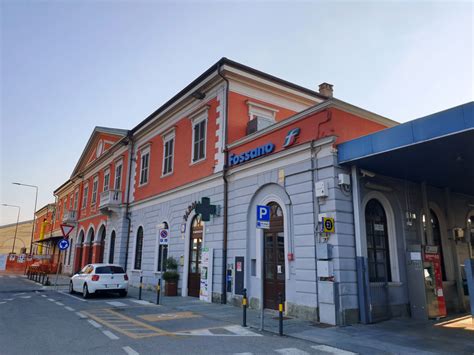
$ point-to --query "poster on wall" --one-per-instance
(3, 261)
(207, 257)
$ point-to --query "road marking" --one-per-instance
(59, 303)
(146, 330)
(2, 302)
(291, 351)
(8, 299)
(243, 354)
(234, 330)
(44, 296)
(332, 350)
(110, 334)
(141, 302)
(72, 296)
(19, 294)
(94, 323)
(81, 315)
(130, 351)
(69, 308)
(25, 297)
(12, 277)
(50, 299)
(117, 304)
(168, 316)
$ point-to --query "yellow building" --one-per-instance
(23, 237)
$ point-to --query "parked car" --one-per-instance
(99, 278)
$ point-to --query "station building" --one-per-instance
(198, 167)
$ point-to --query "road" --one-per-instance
(36, 320)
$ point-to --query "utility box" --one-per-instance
(344, 179)
(325, 268)
(321, 188)
(324, 251)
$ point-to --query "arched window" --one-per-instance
(112, 248)
(139, 249)
(377, 242)
(89, 255)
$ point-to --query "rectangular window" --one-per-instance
(144, 167)
(106, 180)
(168, 156)
(118, 176)
(85, 192)
(71, 201)
(76, 199)
(94, 190)
(199, 140)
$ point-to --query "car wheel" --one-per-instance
(71, 288)
(85, 292)
(123, 293)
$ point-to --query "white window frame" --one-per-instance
(117, 165)
(95, 187)
(171, 136)
(196, 121)
(143, 153)
(258, 110)
(76, 199)
(106, 187)
(85, 193)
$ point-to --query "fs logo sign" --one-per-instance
(291, 137)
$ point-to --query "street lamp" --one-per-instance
(17, 220)
(34, 212)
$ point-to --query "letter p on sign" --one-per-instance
(263, 217)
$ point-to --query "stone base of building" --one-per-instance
(302, 312)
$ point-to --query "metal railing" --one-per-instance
(110, 198)
(69, 216)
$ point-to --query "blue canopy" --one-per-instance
(438, 149)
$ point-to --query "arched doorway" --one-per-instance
(90, 239)
(274, 258)
(195, 248)
(378, 259)
(78, 253)
(99, 258)
(112, 248)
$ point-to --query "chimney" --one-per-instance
(326, 89)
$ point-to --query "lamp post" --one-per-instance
(17, 220)
(34, 212)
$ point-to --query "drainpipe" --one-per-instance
(226, 189)
(127, 203)
(314, 155)
(361, 247)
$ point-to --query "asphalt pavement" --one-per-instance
(41, 320)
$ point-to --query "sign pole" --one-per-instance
(161, 275)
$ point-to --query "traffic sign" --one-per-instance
(63, 244)
(164, 236)
(328, 225)
(66, 229)
(263, 217)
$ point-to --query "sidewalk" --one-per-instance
(396, 336)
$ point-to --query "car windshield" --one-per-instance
(109, 270)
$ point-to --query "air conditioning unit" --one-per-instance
(258, 123)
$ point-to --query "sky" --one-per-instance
(68, 66)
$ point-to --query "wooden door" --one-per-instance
(274, 259)
(194, 269)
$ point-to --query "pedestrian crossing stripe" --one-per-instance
(233, 330)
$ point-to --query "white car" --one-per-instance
(99, 277)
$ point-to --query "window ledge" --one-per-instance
(167, 174)
(144, 184)
(197, 161)
(136, 271)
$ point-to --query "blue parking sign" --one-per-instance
(263, 217)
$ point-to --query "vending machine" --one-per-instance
(435, 301)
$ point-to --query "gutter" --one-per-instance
(127, 203)
(226, 187)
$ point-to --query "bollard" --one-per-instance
(47, 281)
(280, 314)
(42, 278)
(140, 289)
(244, 307)
(158, 290)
